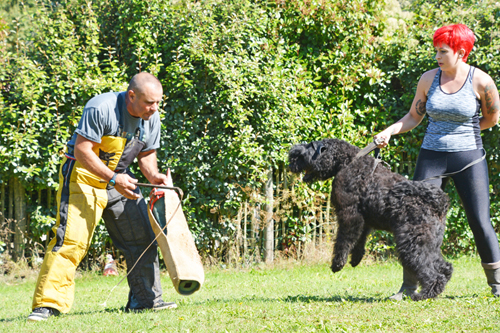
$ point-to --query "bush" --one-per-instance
(243, 81)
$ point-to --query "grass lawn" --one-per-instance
(287, 297)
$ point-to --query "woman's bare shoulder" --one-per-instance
(481, 79)
(426, 79)
(429, 75)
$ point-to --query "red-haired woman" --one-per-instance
(461, 101)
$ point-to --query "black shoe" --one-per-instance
(42, 314)
(161, 305)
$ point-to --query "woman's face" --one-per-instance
(446, 58)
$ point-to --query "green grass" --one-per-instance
(289, 297)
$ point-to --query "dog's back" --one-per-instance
(382, 193)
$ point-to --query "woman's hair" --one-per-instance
(456, 36)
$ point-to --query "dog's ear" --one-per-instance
(319, 150)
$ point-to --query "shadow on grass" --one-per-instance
(71, 314)
(296, 299)
(332, 299)
(18, 318)
(318, 299)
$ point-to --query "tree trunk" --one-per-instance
(20, 219)
(269, 222)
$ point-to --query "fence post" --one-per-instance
(314, 222)
(238, 235)
(328, 218)
(278, 204)
(255, 232)
(269, 222)
(10, 223)
(320, 225)
(286, 195)
(20, 219)
(2, 198)
(245, 221)
(3, 219)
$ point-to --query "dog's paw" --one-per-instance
(337, 266)
(355, 261)
(417, 297)
(356, 257)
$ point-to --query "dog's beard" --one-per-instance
(308, 176)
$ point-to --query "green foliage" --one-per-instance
(50, 80)
(48, 73)
(243, 81)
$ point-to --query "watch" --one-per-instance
(112, 181)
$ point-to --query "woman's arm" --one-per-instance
(490, 102)
(416, 113)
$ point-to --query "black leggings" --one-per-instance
(472, 186)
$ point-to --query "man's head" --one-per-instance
(144, 93)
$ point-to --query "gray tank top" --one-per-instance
(453, 118)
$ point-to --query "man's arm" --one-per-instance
(149, 167)
(90, 161)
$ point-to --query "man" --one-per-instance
(115, 128)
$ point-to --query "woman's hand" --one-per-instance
(382, 138)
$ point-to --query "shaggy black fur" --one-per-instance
(369, 196)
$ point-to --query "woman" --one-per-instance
(461, 101)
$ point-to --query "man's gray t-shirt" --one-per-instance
(101, 117)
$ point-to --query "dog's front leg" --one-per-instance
(349, 231)
(359, 249)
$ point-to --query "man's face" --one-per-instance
(145, 104)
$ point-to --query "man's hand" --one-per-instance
(125, 185)
(84, 154)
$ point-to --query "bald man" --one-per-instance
(115, 128)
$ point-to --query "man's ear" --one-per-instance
(131, 95)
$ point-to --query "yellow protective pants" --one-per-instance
(80, 207)
(55, 286)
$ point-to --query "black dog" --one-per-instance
(366, 195)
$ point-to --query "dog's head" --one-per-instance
(302, 158)
(318, 159)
